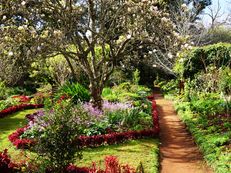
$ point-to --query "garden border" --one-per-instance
(13, 109)
(97, 140)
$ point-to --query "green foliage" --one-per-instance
(5, 91)
(216, 35)
(136, 77)
(212, 132)
(8, 102)
(74, 90)
(170, 87)
(55, 144)
(224, 83)
(194, 61)
(125, 92)
(40, 97)
(208, 106)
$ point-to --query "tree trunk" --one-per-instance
(96, 91)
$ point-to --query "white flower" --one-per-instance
(4, 17)
(20, 28)
(149, 52)
(170, 55)
(183, 6)
(129, 9)
(154, 8)
(39, 48)
(164, 19)
(10, 53)
(154, 65)
(23, 3)
(6, 38)
(129, 36)
(186, 45)
(181, 60)
(57, 33)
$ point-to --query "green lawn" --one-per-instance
(7, 126)
(132, 153)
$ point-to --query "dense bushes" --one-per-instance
(125, 92)
(199, 59)
(6, 165)
(211, 130)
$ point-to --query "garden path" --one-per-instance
(178, 152)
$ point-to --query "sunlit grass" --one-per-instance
(132, 153)
(9, 125)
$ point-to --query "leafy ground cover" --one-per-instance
(212, 133)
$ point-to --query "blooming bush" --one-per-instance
(6, 165)
(56, 130)
(22, 98)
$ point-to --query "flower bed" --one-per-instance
(17, 108)
(22, 98)
(96, 140)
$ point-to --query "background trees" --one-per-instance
(96, 34)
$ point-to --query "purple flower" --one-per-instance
(87, 106)
(110, 106)
(107, 106)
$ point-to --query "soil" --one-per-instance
(178, 151)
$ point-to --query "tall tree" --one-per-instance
(97, 34)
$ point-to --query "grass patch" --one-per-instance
(7, 126)
(132, 153)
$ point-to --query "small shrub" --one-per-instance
(58, 129)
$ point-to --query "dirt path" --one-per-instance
(178, 152)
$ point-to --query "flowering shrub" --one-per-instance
(22, 99)
(6, 165)
(40, 97)
(106, 107)
(17, 108)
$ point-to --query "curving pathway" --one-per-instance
(178, 152)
